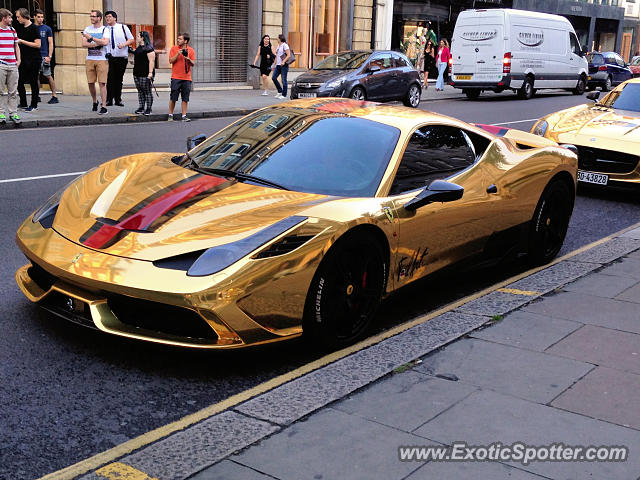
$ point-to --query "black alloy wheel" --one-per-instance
(345, 292)
(358, 93)
(412, 99)
(580, 86)
(526, 90)
(550, 222)
(607, 85)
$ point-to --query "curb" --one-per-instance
(192, 445)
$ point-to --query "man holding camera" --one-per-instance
(182, 59)
(94, 39)
(120, 38)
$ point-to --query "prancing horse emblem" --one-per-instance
(388, 213)
(76, 258)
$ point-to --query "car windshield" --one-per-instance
(595, 59)
(636, 61)
(626, 97)
(302, 149)
(343, 61)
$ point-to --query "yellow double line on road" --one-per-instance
(117, 470)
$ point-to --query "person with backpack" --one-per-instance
(283, 59)
(9, 63)
(120, 38)
(144, 63)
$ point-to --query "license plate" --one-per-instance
(463, 77)
(307, 95)
(590, 177)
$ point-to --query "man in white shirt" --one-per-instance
(120, 38)
(94, 40)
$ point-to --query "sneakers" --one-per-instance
(170, 117)
(3, 118)
(53, 100)
(139, 111)
(147, 112)
(119, 104)
(30, 109)
(185, 118)
(265, 93)
(16, 119)
(280, 97)
(109, 103)
(94, 108)
(103, 111)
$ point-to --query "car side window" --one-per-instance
(610, 59)
(619, 60)
(383, 61)
(400, 62)
(433, 152)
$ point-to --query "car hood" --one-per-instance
(599, 123)
(146, 207)
(320, 76)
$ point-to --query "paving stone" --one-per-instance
(630, 295)
(415, 398)
(555, 276)
(471, 471)
(332, 445)
(486, 417)
(528, 330)
(306, 394)
(627, 267)
(605, 312)
(525, 374)
(607, 394)
(228, 470)
(602, 346)
(601, 285)
(609, 251)
(201, 445)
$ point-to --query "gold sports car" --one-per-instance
(298, 218)
(606, 135)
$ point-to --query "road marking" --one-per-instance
(145, 439)
(515, 291)
(25, 179)
(515, 121)
(122, 471)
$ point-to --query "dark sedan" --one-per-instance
(606, 70)
(362, 75)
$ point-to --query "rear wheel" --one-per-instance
(358, 94)
(412, 99)
(472, 94)
(580, 86)
(550, 222)
(606, 86)
(526, 90)
(345, 292)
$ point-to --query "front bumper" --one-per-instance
(135, 299)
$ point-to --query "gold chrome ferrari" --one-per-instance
(298, 218)
(606, 134)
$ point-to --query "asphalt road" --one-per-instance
(69, 393)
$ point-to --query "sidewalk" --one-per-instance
(552, 357)
(76, 109)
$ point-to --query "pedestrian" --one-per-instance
(46, 52)
(94, 39)
(429, 61)
(283, 53)
(182, 59)
(120, 38)
(266, 55)
(9, 63)
(442, 62)
(29, 69)
(144, 63)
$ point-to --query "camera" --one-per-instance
(185, 52)
(108, 55)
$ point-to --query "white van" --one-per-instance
(499, 49)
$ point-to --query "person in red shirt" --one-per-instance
(9, 63)
(442, 60)
(182, 59)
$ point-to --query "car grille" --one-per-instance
(308, 85)
(68, 308)
(606, 161)
(42, 278)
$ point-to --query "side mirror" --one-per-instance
(437, 191)
(373, 68)
(195, 140)
(593, 96)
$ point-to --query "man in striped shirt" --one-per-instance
(9, 62)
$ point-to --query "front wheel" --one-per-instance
(358, 94)
(550, 222)
(580, 86)
(412, 99)
(345, 292)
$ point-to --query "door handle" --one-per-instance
(492, 188)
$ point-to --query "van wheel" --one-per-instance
(580, 86)
(472, 94)
(606, 86)
(526, 90)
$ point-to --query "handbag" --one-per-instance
(292, 57)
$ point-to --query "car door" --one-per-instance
(624, 73)
(439, 234)
(402, 75)
(612, 68)
(378, 83)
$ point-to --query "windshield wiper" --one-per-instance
(237, 175)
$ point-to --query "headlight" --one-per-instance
(335, 83)
(49, 208)
(540, 128)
